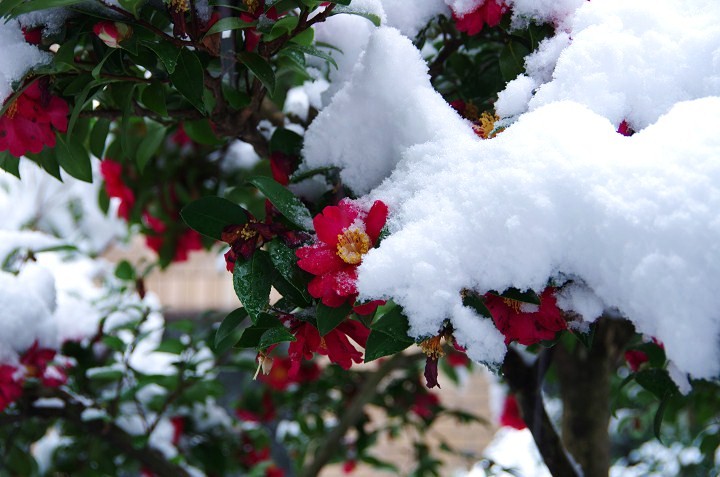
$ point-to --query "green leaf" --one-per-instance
(512, 60)
(267, 331)
(229, 23)
(98, 137)
(166, 52)
(328, 318)
(376, 20)
(125, 271)
(283, 26)
(132, 6)
(227, 328)
(74, 159)
(284, 201)
(472, 300)
(312, 51)
(388, 335)
(98, 68)
(153, 97)
(114, 343)
(657, 381)
(284, 259)
(150, 143)
(172, 346)
(252, 280)
(659, 414)
(188, 78)
(10, 163)
(35, 5)
(528, 296)
(305, 37)
(210, 215)
(260, 68)
(286, 141)
(201, 132)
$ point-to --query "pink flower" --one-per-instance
(344, 235)
(116, 187)
(10, 385)
(112, 33)
(29, 123)
(489, 13)
(526, 326)
(510, 416)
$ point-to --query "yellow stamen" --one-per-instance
(487, 125)
(251, 5)
(180, 5)
(514, 304)
(11, 111)
(352, 244)
(432, 347)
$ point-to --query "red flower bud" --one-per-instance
(112, 33)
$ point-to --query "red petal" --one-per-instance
(368, 308)
(333, 220)
(355, 330)
(318, 259)
(375, 220)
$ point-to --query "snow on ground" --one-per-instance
(559, 193)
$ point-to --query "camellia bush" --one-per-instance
(529, 187)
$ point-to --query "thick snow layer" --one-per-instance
(393, 107)
(631, 60)
(634, 220)
(543, 11)
(17, 58)
(560, 191)
(410, 20)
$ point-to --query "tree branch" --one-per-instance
(525, 381)
(109, 432)
(354, 411)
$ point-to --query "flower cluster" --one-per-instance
(344, 235)
(526, 323)
(35, 363)
(335, 345)
(30, 121)
(115, 186)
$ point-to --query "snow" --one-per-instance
(559, 192)
(17, 58)
(394, 107)
(634, 60)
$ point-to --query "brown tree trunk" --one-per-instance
(584, 374)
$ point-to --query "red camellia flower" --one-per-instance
(635, 359)
(510, 416)
(526, 326)
(425, 405)
(29, 123)
(489, 13)
(36, 361)
(625, 129)
(335, 345)
(112, 33)
(187, 242)
(279, 377)
(116, 187)
(345, 234)
(10, 385)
